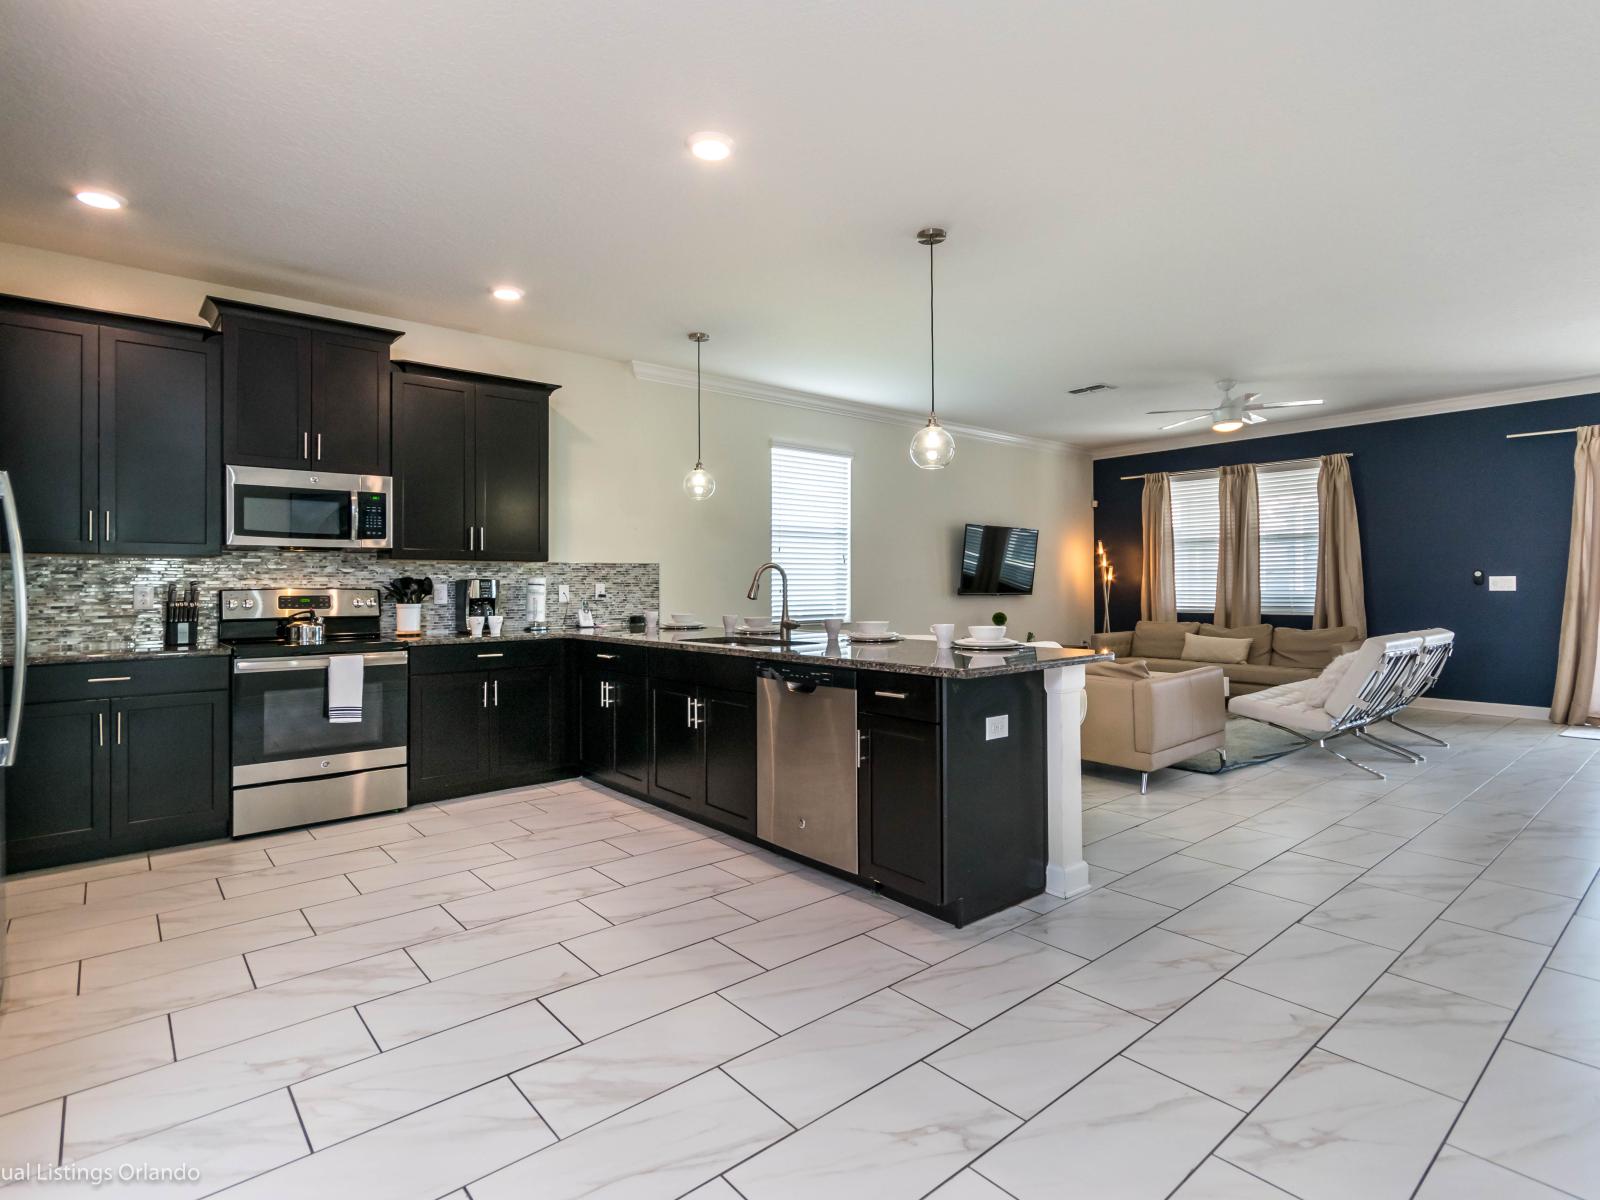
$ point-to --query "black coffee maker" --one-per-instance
(474, 598)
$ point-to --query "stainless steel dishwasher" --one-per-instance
(806, 761)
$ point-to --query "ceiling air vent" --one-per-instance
(1091, 387)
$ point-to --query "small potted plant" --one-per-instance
(408, 593)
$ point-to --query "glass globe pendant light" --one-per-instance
(698, 484)
(932, 448)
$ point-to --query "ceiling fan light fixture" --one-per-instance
(1226, 424)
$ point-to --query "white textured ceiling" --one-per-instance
(1375, 202)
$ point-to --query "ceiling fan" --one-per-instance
(1234, 413)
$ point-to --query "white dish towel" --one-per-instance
(346, 673)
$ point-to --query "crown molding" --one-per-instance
(767, 393)
(1398, 412)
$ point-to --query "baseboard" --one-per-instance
(1484, 708)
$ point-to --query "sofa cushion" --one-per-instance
(1132, 669)
(1161, 639)
(1225, 650)
(1311, 649)
(1268, 676)
(1260, 639)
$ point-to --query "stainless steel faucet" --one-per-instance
(785, 624)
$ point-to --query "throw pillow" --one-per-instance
(1319, 689)
(1135, 669)
(1215, 649)
(1260, 639)
(1161, 639)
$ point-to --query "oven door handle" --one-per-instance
(312, 662)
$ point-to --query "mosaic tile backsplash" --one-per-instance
(85, 602)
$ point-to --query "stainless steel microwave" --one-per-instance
(308, 509)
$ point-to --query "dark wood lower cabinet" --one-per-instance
(677, 768)
(730, 737)
(901, 806)
(486, 719)
(129, 772)
(616, 729)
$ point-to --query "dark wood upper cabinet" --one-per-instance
(471, 465)
(49, 417)
(435, 496)
(111, 428)
(160, 444)
(302, 392)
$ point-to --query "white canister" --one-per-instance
(407, 619)
(536, 599)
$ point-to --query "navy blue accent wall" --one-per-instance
(1438, 497)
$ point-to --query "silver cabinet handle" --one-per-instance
(305, 445)
(319, 447)
(496, 654)
(109, 679)
(107, 537)
(893, 695)
(470, 545)
(497, 693)
(608, 656)
(861, 748)
(483, 543)
(100, 727)
(119, 727)
(19, 600)
(688, 711)
(91, 526)
(313, 662)
(486, 693)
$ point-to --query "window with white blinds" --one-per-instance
(1287, 501)
(811, 531)
(1195, 522)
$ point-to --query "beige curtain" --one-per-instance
(1158, 591)
(1341, 596)
(1574, 702)
(1238, 548)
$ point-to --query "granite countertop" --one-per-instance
(72, 654)
(910, 656)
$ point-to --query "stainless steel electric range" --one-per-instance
(294, 762)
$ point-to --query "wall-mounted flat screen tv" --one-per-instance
(997, 560)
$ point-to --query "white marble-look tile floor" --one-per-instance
(1290, 980)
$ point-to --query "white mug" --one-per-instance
(832, 625)
(495, 622)
(474, 626)
(651, 619)
(730, 622)
(943, 634)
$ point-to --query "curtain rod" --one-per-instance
(1540, 433)
(1281, 462)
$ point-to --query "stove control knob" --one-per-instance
(248, 603)
(233, 604)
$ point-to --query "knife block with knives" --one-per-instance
(181, 617)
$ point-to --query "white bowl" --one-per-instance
(758, 622)
(871, 628)
(682, 618)
(987, 633)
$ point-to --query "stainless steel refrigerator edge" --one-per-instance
(11, 706)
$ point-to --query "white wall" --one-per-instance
(620, 447)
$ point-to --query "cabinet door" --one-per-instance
(266, 394)
(435, 499)
(160, 444)
(58, 805)
(523, 706)
(729, 730)
(349, 404)
(597, 734)
(630, 707)
(677, 761)
(169, 770)
(901, 806)
(512, 453)
(449, 730)
(49, 419)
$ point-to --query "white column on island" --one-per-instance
(1065, 872)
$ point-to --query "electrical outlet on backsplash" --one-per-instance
(85, 602)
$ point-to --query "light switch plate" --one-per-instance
(1502, 583)
(563, 594)
(441, 594)
(144, 596)
(599, 591)
(996, 727)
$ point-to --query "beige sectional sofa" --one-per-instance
(1277, 654)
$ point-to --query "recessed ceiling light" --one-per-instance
(506, 292)
(95, 198)
(711, 147)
